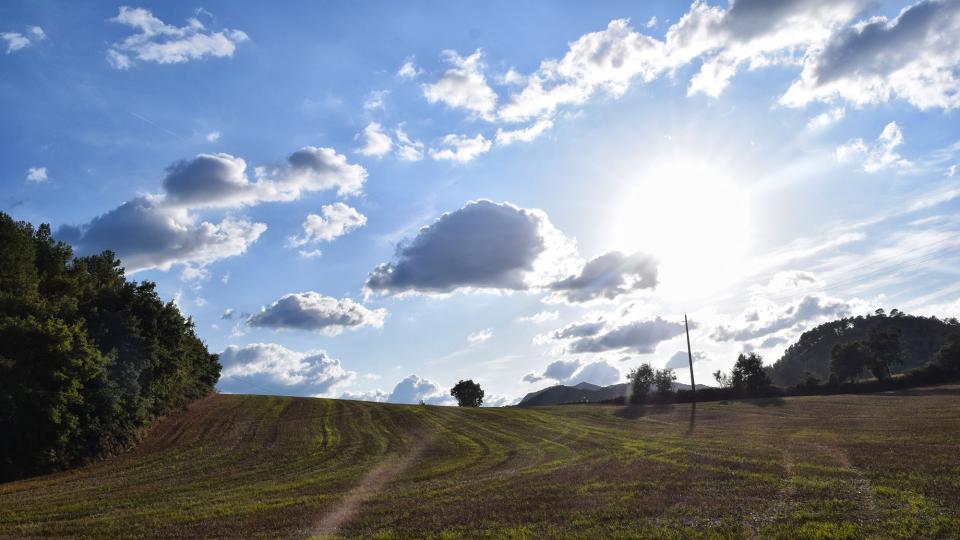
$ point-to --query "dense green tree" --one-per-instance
(949, 355)
(884, 350)
(848, 360)
(87, 359)
(468, 393)
(640, 379)
(748, 374)
(663, 380)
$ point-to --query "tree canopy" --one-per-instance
(468, 393)
(87, 358)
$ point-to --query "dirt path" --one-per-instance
(369, 486)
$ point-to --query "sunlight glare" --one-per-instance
(692, 217)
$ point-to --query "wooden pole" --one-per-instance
(693, 385)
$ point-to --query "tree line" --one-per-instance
(88, 359)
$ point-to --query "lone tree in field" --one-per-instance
(468, 393)
(748, 374)
(663, 380)
(847, 360)
(640, 381)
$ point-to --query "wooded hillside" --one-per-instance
(87, 358)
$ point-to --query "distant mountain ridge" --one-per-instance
(582, 393)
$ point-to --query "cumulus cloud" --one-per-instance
(220, 180)
(407, 148)
(877, 155)
(913, 57)
(408, 70)
(640, 336)
(313, 311)
(607, 277)
(158, 231)
(159, 42)
(463, 85)
(574, 372)
(606, 60)
(376, 142)
(826, 119)
(147, 234)
(337, 220)
(377, 395)
(484, 245)
(16, 40)
(227, 314)
(37, 174)
(414, 389)
(478, 337)
(580, 329)
(460, 148)
(273, 368)
(774, 319)
(213, 136)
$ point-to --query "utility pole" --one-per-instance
(693, 384)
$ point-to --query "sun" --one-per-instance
(693, 216)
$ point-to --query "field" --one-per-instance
(883, 466)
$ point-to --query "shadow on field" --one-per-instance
(631, 412)
(767, 402)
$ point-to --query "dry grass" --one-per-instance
(880, 466)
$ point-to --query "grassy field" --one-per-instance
(883, 466)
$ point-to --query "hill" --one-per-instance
(254, 467)
(921, 338)
(582, 393)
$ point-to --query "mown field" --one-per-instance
(878, 466)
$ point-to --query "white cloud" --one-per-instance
(313, 311)
(877, 155)
(159, 42)
(310, 254)
(408, 70)
(274, 368)
(826, 119)
(337, 220)
(480, 336)
(460, 148)
(651, 22)
(146, 234)
(464, 85)
(37, 174)
(607, 277)
(770, 317)
(375, 141)
(540, 318)
(407, 148)
(376, 100)
(213, 136)
(527, 134)
(158, 231)
(377, 395)
(572, 372)
(641, 336)
(914, 57)
(16, 40)
(414, 389)
(484, 245)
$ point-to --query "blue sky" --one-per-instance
(374, 201)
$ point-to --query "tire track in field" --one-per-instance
(368, 487)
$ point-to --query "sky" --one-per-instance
(376, 200)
